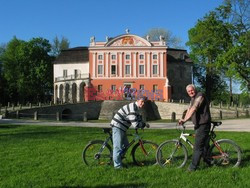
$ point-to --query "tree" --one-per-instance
(2, 80)
(172, 41)
(235, 61)
(207, 40)
(28, 69)
(58, 45)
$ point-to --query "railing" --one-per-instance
(72, 77)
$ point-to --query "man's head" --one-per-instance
(141, 100)
(191, 90)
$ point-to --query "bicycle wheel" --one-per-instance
(172, 153)
(226, 154)
(94, 154)
(144, 155)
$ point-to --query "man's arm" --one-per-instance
(192, 109)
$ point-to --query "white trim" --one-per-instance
(148, 66)
(132, 78)
(134, 68)
(106, 72)
(94, 66)
(120, 65)
(161, 64)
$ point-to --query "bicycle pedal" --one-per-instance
(225, 163)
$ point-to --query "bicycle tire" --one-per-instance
(139, 156)
(231, 156)
(172, 153)
(91, 157)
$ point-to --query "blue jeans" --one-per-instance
(120, 141)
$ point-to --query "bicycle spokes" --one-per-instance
(226, 153)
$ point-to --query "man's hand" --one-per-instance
(181, 121)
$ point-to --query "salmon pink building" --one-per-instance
(131, 64)
(125, 66)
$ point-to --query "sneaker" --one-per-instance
(191, 169)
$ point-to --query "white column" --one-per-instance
(106, 64)
(161, 64)
(64, 93)
(134, 67)
(94, 64)
(149, 64)
(120, 65)
(55, 93)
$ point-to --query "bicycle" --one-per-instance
(223, 152)
(99, 152)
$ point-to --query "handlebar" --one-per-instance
(179, 126)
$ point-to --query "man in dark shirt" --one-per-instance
(199, 112)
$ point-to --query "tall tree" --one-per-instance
(2, 80)
(207, 40)
(58, 45)
(28, 69)
(172, 41)
(235, 61)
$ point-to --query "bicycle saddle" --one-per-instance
(107, 130)
(216, 123)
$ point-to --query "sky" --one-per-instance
(78, 20)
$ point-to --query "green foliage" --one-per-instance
(58, 45)
(207, 40)
(235, 61)
(219, 46)
(28, 69)
(39, 156)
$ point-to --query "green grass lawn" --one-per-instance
(42, 156)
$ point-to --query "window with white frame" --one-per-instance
(100, 69)
(127, 56)
(113, 69)
(75, 73)
(155, 88)
(113, 88)
(141, 87)
(141, 69)
(99, 87)
(65, 73)
(154, 56)
(100, 57)
(127, 69)
(113, 57)
(141, 56)
(155, 69)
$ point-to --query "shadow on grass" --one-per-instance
(9, 126)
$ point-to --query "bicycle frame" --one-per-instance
(223, 152)
(136, 137)
(183, 137)
(212, 136)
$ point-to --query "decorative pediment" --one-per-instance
(128, 40)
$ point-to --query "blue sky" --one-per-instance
(78, 20)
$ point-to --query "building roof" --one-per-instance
(73, 55)
(178, 55)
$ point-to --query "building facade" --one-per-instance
(71, 75)
(122, 67)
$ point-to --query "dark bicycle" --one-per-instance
(223, 152)
(99, 152)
